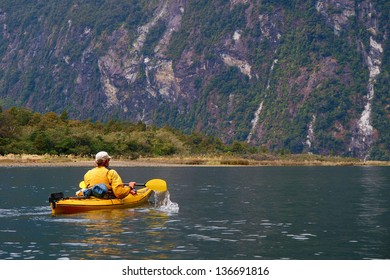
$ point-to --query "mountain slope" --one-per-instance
(302, 76)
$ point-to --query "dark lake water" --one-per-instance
(303, 213)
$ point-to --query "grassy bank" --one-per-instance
(263, 160)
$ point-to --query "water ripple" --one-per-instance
(23, 211)
(204, 237)
(301, 237)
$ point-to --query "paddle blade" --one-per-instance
(82, 185)
(158, 185)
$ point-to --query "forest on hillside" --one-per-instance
(23, 131)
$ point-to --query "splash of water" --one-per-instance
(163, 202)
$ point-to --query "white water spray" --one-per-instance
(162, 202)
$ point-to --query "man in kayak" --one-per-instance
(102, 174)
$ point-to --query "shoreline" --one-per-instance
(72, 161)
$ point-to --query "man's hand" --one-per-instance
(133, 191)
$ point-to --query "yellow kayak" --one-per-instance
(69, 205)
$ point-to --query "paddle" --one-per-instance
(157, 185)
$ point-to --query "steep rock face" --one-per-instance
(123, 73)
(362, 130)
(288, 75)
(337, 13)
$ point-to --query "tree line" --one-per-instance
(23, 131)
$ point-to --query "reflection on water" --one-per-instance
(225, 213)
(372, 204)
(373, 209)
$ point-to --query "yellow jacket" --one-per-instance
(109, 177)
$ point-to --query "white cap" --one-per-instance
(101, 156)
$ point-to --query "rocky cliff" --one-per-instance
(298, 76)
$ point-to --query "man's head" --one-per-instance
(102, 158)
